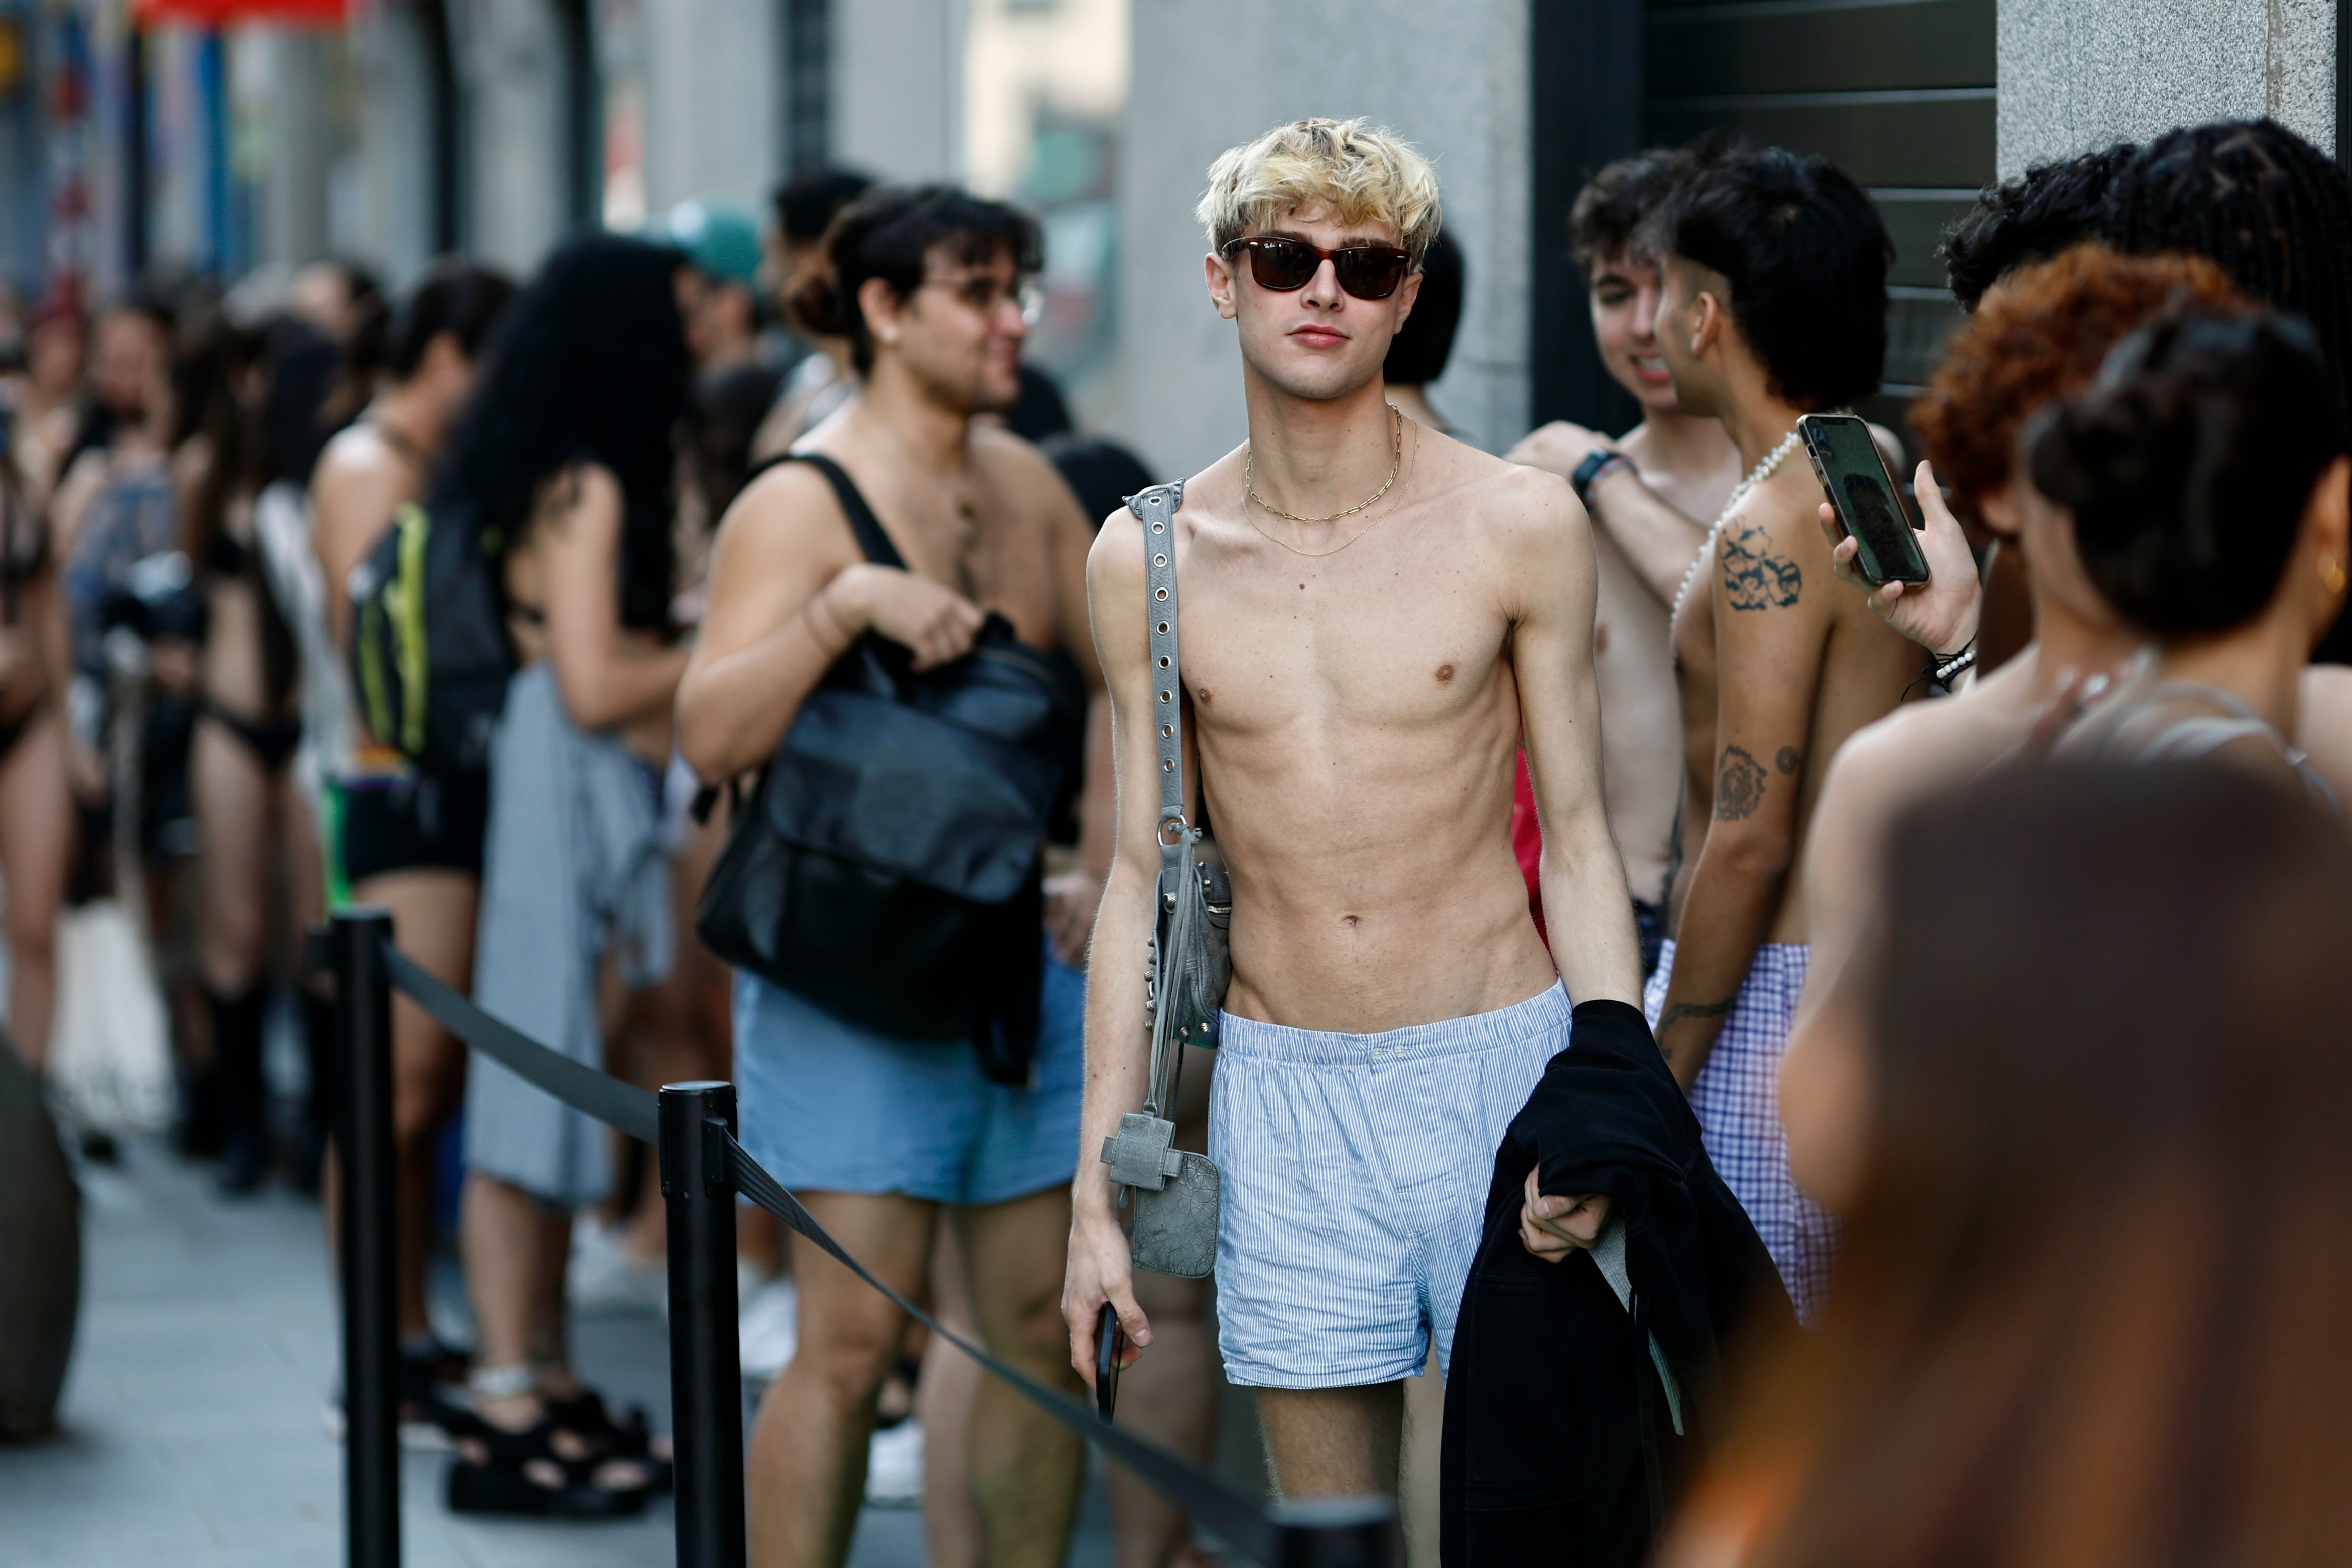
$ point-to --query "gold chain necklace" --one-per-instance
(1249, 494)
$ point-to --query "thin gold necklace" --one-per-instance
(1249, 494)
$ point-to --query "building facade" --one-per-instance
(130, 140)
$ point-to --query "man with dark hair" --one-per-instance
(905, 518)
(819, 382)
(1773, 305)
(1643, 491)
(1418, 353)
(2046, 210)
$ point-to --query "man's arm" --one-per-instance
(1656, 540)
(1118, 1029)
(1771, 630)
(1590, 913)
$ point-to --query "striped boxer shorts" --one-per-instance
(1737, 1101)
(1356, 1170)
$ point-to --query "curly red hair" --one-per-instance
(2041, 333)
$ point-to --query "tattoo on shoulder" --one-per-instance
(1681, 1010)
(1738, 785)
(1757, 576)
(1787, 759)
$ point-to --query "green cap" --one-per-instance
(720, 237)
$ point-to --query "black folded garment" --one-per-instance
(1558, 1447)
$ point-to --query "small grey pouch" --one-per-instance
(1175, 1193)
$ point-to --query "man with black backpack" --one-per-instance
(895, 612)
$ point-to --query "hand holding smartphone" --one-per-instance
(1869, 505)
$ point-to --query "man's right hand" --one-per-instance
(1551, 1227)
(935, 622)
(1100, 1271)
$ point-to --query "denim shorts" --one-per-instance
(828, 1107)
(1356, 1169)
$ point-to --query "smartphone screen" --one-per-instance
(1854, 477)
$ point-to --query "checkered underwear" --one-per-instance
(1737, 1099)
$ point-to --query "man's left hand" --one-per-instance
(1551, 1227)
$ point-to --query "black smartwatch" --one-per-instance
(1598, 463)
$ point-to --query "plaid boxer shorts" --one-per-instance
(1738, 1100)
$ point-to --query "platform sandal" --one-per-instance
(524, 1475)
(628, 1435)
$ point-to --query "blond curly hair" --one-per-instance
(1363, 173)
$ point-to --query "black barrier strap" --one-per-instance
(1245, 1525)
(608, 1099)
(1233, 1516)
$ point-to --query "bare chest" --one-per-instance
(1396, 640)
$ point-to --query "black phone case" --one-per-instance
(1872, 569)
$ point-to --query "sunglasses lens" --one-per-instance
(1368, 273)
(1282, 265)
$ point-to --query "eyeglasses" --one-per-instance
(983, 291)
(1367, 271)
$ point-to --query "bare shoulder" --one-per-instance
(2323, 727)
(789, 503)
(1018, 465)
(1517, 500)
(356, 453)
(1557, 448)
(1922, 748)
(1115, 561)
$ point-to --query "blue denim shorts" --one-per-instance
(1356, 1169)
(831, 1108)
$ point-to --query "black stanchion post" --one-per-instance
(706, 1373)
(1337, 1532)
(370, 1337)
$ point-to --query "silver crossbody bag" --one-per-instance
(1174, 1193)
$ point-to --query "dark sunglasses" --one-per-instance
(1367, 271)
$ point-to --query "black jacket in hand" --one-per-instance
(1559, 1448)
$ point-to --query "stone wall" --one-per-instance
(2076, 74)
(1209, 74)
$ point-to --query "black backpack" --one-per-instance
(430, 656)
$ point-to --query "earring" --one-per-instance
(2331, 575)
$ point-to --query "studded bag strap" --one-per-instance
(1157, 508)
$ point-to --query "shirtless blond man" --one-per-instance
(1372, 617)
(1644, 491)
(1774, 305)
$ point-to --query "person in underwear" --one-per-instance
(1773, 304)
(2041, 334)
(251, 834)
(1372, 615)
(566, 453)
(1644, 490)
(881, 1135)
(37, 815)
(114, 528)
(393, 834)
(2205, 477)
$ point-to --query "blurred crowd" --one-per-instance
(2009, 1020)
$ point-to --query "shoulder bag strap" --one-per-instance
(861, 521)
(1157, 507)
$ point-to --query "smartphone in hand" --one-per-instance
(1110, 1349)
(1868, 501)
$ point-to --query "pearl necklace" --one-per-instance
(1762, 471)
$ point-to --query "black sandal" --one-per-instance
(626, 1436)
(503, 1482)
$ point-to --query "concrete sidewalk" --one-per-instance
(192, 1436)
